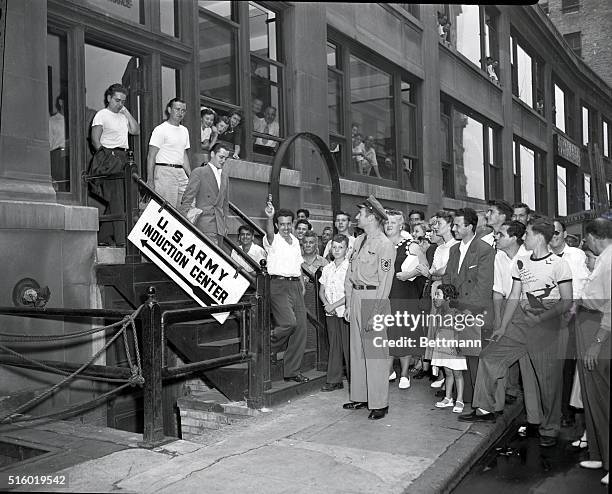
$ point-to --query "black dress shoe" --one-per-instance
(475, 417)
(300, 378)
(355, 405)
(378, 413)
(332, 386)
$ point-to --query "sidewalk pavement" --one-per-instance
(309, 445)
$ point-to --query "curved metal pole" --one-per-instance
(332, 167)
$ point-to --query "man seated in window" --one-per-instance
(371, 163)
(267, 125)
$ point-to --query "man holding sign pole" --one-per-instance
(286, 291)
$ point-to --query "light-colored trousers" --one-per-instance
(369, 364)
(170, 183)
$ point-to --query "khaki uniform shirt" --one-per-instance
(371, 263)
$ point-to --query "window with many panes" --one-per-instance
(529, 169)
(373, 120)
(570, 189)
(586, 125)
(469, 162)
(472, 30)
(249, 113)
(527, 75)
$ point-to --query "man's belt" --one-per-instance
(288, 278)
(169, 164)
(125, 150)
(364, 287)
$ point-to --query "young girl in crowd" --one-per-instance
(448, 357)
(208, 131)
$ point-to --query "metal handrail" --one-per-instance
(186, 223)
(247, 220)
(48, 312)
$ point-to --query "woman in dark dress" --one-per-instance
(406, 291)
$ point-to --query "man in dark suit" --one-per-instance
(208, 190)
(470, 269)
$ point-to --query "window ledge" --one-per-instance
(471, 65)
(520, 102)
(260, 172)
(381, 192)
(405, 15)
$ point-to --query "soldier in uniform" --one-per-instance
(367, 287)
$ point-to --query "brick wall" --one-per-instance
(593, 21)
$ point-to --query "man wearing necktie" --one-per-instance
(209, 187)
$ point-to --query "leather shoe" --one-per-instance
(475, 417)
(378, 413)
(548, 441)
(332, 386)
(300, 378)
(355, 405)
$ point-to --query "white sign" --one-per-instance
(190, 261)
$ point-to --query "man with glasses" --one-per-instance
(168, 168)
(576, 258)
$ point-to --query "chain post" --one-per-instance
(150, 316)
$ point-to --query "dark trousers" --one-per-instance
(569, 368)
(112, 232)
(339, 348)
(289, 317)
(595, 388)
(469, 378)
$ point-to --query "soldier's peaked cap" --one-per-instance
(374, 206)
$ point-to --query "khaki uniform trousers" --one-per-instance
(369, 364)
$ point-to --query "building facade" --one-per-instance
(424, 106)
(584, 25)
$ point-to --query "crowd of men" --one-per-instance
(545, 303)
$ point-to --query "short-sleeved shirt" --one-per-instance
(372, 261)
(284, 259)
(314, 265)
(540, 279)
(596, 291)
(502, 273)
(255, 252)
(114, 128)
(576, 259)
(440, 258)
(332, 278)
(172, 141)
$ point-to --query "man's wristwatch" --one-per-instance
(598, 340)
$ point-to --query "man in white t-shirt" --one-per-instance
(541, 293)
(168, 167)
(254, 251)
(342, 223)
(109, 136)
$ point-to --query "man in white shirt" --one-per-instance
(576, 258)
(109, 136)
(168, 166)
(286, 291)
(497, 213)
(267, 125)
(254, 251)
(342, 223)
(508, 240)
(593, 332)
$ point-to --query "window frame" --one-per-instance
(450, 106)
(569, 6)
(606, 132)
(486, 42)
(568, 106)
(540, 173)
(345, 49)
(537, 72)
(242, 67)
(571, 38)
